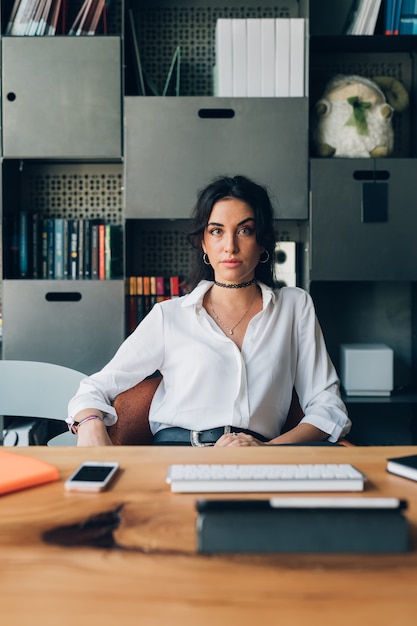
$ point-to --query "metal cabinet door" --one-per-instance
(61, 97)
(78, 324)
(344, 246)
(175, 146)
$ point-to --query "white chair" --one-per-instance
(38, 390)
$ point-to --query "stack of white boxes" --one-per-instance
(260, 57)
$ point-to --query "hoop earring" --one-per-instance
(206, 260)
(267, 257)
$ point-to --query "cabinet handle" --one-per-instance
(11, 96)
(63, 296)
(371, 175)
(216, 114)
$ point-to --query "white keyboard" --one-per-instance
(277, 477)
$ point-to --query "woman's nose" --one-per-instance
(230, 244)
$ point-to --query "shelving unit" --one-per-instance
(363, 275)
(146, 157)
(62, 158)
(168, 130)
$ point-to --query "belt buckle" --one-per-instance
(195, 437)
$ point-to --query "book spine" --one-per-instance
(152, 289)
(73, 249)
(87, 257)
(107, 251)
(58, 248)
(23, 244)
(140, 301)
(44, 248)
(94, 251)
(160, 288)
(116, 251)
(101, 251)
(66, 249)
(50, 248)
(36, 244)
(81, 223)
(131, 304)
(175, 286)
(146, 294)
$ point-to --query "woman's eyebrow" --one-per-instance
(247, 219)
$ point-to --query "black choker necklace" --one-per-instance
(234, 286)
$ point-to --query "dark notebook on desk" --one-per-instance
(405, 466)
(303, 525)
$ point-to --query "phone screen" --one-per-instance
(92, 473)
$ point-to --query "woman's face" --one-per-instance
(230, 241)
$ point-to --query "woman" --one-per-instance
(231, 351)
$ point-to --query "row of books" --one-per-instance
(49, 17)
(260, 57)
(363, 17)
(142, 292)
(58, 248)
(401, 17)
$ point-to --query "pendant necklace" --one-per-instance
(227, 329)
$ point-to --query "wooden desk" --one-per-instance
(165, 582)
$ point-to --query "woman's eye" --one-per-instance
(246, 231)
(215, 231)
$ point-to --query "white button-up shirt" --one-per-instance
(208, 382)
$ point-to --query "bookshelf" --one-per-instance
(138, 161)
(62, 149)
(365, 290)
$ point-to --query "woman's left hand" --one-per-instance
(237, 440)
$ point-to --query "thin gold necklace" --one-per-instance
(219, 321)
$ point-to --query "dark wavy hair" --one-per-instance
(258, 199)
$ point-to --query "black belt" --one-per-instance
(200, 438)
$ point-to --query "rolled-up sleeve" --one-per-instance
(316, 380)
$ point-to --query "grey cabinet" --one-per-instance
(79, 324)
(61, 97)
(363, 219)
(61, 135)
(174, 146)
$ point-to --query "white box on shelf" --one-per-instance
(367, 369)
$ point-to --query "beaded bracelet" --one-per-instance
(75, 425)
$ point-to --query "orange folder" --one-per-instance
(18, 471)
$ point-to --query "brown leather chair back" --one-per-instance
(132, 407)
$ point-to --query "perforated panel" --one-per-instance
(74, 191)
(161, 29)
(160, 247)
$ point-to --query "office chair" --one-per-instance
(38, 390)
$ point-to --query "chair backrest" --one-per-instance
(132, 407)
(37, 390)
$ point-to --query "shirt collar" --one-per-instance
(195, 298)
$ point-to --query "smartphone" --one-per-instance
(92, 476)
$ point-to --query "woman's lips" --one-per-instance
(231, 263)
